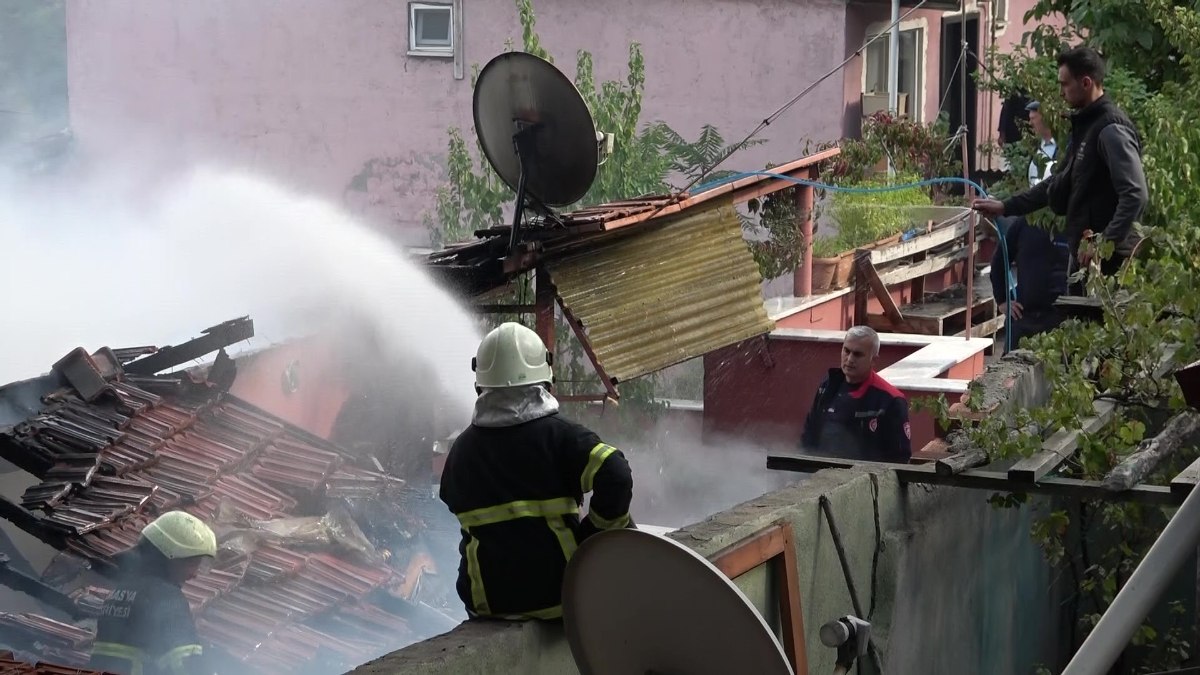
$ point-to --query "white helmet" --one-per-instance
(511, 356)
(177, 535)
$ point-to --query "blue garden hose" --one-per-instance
(1008, 280)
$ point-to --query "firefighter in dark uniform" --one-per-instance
(515, 479)
(146, 626)
(856, 414)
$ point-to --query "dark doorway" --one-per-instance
(951, 89)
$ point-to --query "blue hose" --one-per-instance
(1008, 285)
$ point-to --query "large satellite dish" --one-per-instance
(635, 603)
(536, 131)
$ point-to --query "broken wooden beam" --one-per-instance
(1061, 445)
(215, 338)
(1179, 431)
(959, 462)
(868, 273)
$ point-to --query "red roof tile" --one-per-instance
(110, 466)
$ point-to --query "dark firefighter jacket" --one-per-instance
(516, 491)
(867, 422)
(145, 626)
(1099, 185)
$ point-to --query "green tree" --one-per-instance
(1151, 309)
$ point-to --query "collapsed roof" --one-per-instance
(297, 584)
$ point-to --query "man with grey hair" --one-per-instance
(856, 414)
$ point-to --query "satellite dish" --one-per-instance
(635, 603)
(536, 131)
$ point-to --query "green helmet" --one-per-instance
(177, 535)
(511, 356)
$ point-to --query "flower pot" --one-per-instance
(831, 274)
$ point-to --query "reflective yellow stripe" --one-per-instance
(566, 538)
(599, 454)
(117, 650)
(605, 524)
(551, 613)
(478, 597)
(513, 510)
(173, 661)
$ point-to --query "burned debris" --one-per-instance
(325, 561)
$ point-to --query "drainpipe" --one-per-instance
(802, 280)
(1135, 600)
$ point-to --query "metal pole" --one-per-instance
(894, 74)
(1135, 600)
(894, 61)
(968, 190)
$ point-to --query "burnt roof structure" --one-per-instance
(296, 582)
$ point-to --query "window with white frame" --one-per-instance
(999, 13)
(431, 29)
(911, 71)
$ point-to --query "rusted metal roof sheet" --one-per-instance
(672, 293)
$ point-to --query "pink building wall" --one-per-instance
(1007, 35)
(313, 92)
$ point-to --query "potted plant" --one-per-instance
(865, 220)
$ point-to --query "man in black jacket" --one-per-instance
(856, 414)
(1100, 186)
(1041, 259)
(515, 479)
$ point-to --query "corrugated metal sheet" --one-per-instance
(664, 296)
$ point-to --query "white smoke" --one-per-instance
(132, 260)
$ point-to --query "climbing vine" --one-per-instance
(643, 159)
(1150, 313)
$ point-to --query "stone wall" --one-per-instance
(959, 586)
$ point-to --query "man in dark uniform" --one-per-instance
(856, 414)
(515, 479)
(1100, 185)
(146, 626)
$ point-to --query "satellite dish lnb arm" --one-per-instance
(526, 149)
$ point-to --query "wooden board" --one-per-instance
(920, 243)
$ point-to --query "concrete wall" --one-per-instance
(322, 94)
(952, 577)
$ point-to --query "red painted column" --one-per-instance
(802, 281)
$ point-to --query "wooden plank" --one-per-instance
(743, 556)
(1187, 479)
(776, 546)
(985, 329)
(930, 265)
(861, 289)
(1061, 445)
(791, 610)
(981, 479)
(868, 272)
(920, 243)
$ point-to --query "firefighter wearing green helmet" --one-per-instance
(145, 625)
(516, 478)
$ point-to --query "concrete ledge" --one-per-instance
(930, 552)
